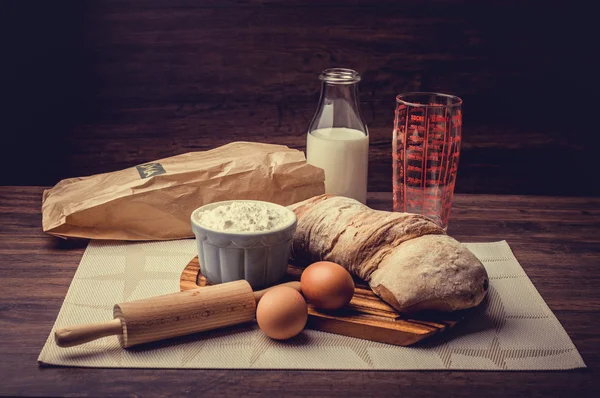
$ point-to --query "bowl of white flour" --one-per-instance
(244, 239)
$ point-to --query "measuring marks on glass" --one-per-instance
(426, 148)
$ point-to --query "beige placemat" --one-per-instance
(515, 330)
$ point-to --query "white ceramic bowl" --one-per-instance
(261, 257)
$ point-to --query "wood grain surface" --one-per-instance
(93, 87)
(555, 239)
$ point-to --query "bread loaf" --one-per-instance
(407, 259)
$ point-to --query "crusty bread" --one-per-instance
(406, 258)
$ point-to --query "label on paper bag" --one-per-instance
(150, 169)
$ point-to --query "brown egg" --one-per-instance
(327, 285)
(281, 313)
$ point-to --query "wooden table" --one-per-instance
(557, 241)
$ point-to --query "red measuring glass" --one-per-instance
(425, 151)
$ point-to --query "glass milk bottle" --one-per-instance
(338, 139)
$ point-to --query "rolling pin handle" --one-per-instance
(79, 334)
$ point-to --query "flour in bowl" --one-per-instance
(243, 216)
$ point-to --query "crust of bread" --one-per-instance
(432, 272)
(406, 258)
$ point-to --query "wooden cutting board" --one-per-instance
(366, 316)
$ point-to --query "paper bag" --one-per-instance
(154, 201)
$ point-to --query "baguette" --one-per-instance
(407, 259)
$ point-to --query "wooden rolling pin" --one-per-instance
(172, 315)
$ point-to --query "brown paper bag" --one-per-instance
(154, 201)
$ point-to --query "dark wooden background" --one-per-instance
(91, 87)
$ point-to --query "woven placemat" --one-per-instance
(513, 330)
